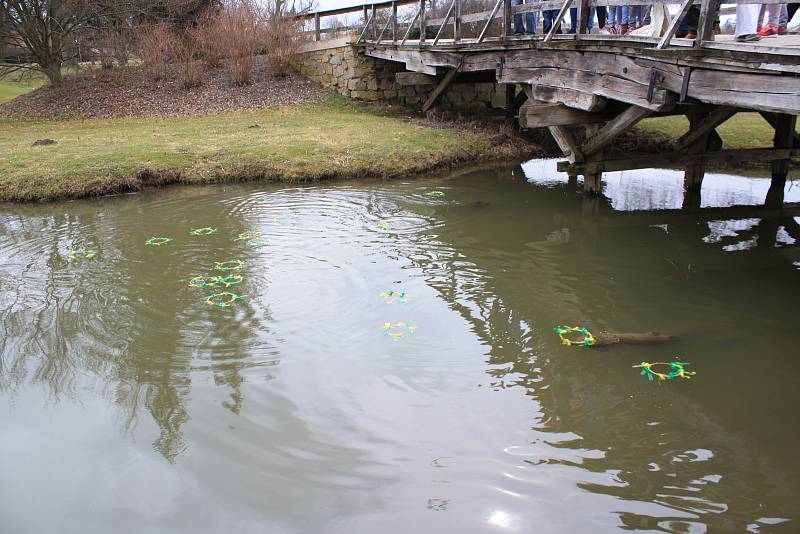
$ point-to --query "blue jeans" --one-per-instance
(615, 15)
(530, 19)
(548, 17)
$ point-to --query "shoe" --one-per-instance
(691, 36)
(748, 38)
(767, 31)
(782, 30)
(623, 28)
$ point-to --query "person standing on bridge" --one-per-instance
(747, 23)
(530, 19)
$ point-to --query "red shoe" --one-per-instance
(767, 31)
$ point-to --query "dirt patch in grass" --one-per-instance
(129, 92)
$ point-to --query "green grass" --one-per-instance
(10, 89)
(743, 130)
(329, 139)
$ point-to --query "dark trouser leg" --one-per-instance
(601, 16)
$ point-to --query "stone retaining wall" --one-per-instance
(341, 67)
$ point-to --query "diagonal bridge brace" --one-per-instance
(613, 128)
(441, 87)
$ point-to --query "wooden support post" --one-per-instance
(593, 181)
(696, 141)
(708, 14)
(774, 120)
(784, 138)
(423, 20)
(613, 128)
(374, 20)
(394, 22)
(675, 24)
(583, 17)
(457, 22)
(316, 27)
(443, 85)
(704, 126)
(567, 143)
(521, 98)
(511, 110)
(507, 30)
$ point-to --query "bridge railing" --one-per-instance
(380, 21)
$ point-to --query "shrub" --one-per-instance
(209, 36)
(191, 69)
(241, 32)
(156, 44)
(283, 41)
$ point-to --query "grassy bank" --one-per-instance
(330, 139)
(743, 130)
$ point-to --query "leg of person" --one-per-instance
(519, 27)
(783, 20)
(692, 20)
(633, 17)
(530, 20)
(770, 27)
(646, 18)
(746, 22)
(547, 20)
(573, 19)
(602, 13)
(623, 23)
(590, 20)
(791, 9)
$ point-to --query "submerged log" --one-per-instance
(612, 338)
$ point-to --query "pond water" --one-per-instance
(128, 404)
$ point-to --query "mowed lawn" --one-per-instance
(328, 139)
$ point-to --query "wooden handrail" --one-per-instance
(710, 10)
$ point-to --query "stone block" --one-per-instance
(414, 78)
(412, 99)
(498, 100)
(364, 95)
(372, 84)
(335, 60)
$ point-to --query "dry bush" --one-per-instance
(209, 36)
(156, 44)
(241, 33)
(104, 44)
(283, 40)
(191, 69)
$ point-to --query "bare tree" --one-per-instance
(45, 29)
(48, 30)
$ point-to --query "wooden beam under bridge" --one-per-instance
(678, 159)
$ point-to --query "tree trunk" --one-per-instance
(53, 73)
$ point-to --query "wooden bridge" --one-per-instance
(587, 89)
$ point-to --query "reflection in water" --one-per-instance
(293, 412)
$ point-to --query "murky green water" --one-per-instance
(127, 404)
